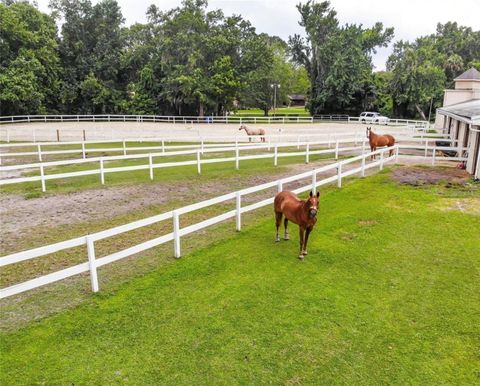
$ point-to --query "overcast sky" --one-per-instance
(410, 18)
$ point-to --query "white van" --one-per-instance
(370, 117)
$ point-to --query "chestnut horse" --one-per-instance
(376, 140)
(251, 132)
(301, 212)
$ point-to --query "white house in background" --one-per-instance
(460, 116)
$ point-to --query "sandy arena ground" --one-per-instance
(73, 131)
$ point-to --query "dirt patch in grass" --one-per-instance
(469, 205)
(367, 223)
(416, 176)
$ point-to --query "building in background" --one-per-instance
(460, 117)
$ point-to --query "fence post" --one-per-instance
(275, 155)
(336, 150)
(362, 172)
(8, 135)
(42, 177)
(307, 153)
(92, 263)
(58, 135)
(124, 148)
(397, 149)
(238, 201)
(150, 165)
(381, 159)
(199, 167)
(237, 156)
(339, 175)
(163, 146)
(176, 234)
(279, 186)
(83, 149)
(314, 182)
(39, 149)
(433, 154)
(102, 175)
(201, 145)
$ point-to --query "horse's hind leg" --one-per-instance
(285, 223)
(278, 221)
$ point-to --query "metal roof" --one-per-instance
(468, 112)
(471, 74)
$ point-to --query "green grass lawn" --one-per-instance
(389, 294)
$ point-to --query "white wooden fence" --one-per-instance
(93, 262)
(194, 119)
(151, 166)
(201, 142)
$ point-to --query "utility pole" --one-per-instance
(275, 86)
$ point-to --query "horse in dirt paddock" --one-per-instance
(376, 140)
(301, 212)
(251, 132)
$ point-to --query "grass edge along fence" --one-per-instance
(93, 262)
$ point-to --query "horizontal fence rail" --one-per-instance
(151, 166)
(93, 262)
(195, 119)
(236, 158)
(203, 142)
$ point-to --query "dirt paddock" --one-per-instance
(416, 175)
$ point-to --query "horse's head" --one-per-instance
(369, 130)
(312, 204)
(242, 127)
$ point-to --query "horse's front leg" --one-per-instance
(372, 149)
(302, 241)
(307, 233)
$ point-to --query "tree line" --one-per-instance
(192, 61)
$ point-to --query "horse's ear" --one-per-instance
(318, 194)
(311, 193)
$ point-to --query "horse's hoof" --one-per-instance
(277, 240)
(301, 257)
(305, 253)
(287, 238)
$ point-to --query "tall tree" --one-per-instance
(338, 58)
(422, 69)
(29, 63)
(91, 45)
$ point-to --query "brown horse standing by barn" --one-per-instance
(251, 132)
(301, 212)
(376, 140)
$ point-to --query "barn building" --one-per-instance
(460, 117)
